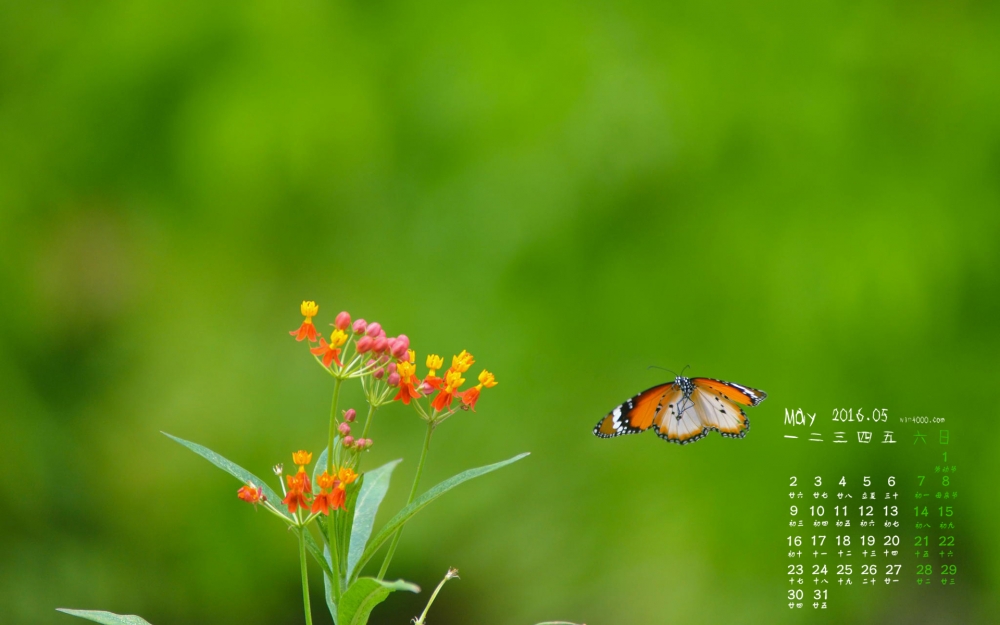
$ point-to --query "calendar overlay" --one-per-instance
(875, 526)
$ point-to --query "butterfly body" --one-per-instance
(684, 410)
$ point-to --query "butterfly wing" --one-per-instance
(680, 421)
(636, 415)
(718, 413)
(730, 390)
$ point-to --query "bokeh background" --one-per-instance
(800, 197)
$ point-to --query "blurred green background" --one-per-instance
(799, 197)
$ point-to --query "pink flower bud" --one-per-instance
(373, 329)
(360, 326)
(380, 344)
(399, 350)
(384, 359)
(427, 389)
(393, 379)
(405, 340)
(391, 368)
(348, 441)
(343, 320)
(391, 343)
(350, 415)
(344, 429)
(379, 373)
(364, 344)
(368, 443)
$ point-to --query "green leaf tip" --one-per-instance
(422, 501)
(106, 618)
(229, 467)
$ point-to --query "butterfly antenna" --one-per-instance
(686, 367)
(661, 369)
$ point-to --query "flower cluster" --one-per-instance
(386, 366)
(299, 492)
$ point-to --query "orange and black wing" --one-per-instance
(635, 415)
(730, 390)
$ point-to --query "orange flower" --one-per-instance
(434, 362)
(251, 494)
(334, 498)
(471, 396)
(307, 330)
(302, 458)
(298, 488)
(452, 380)
(331, 351)
(462, 362)
(407, 379)
(300, 481)
(346, 475)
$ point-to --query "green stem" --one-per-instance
(420, 621)
(368, 420)
(305, 576)
(413, 495)
(331, 531)
(333, 425)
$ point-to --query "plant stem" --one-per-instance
(333, 425)
(449, 575)
(305, 575)
(368, 420)
(331, 532)
(413, 495)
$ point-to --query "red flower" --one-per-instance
(251, 494)
(307, 330)
(407, 380)
(328, 352)
(334, 498)
(471, 396)
(298, 487)
(323, 503)
(452, 380)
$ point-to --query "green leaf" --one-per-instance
(229, 467)
(328, 586)
(373, 491)
(345, 521)
(313, 548)
(107, 618)
(400, 584)
(361, 598)
(406, 513)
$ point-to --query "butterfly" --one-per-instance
(684, 410)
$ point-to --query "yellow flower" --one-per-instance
(406, 370)
(411, 355)
(302, 458)
(309, 309)
(338, 338)
(347, 475)
(434, 362)
(486, 379)
(462, 362)
(452, 380)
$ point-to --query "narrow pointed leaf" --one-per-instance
(313, 548)
(229, 467)
(372, 493)
(361, 598)
(328, 586)
(107, 618)
(406, 513)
